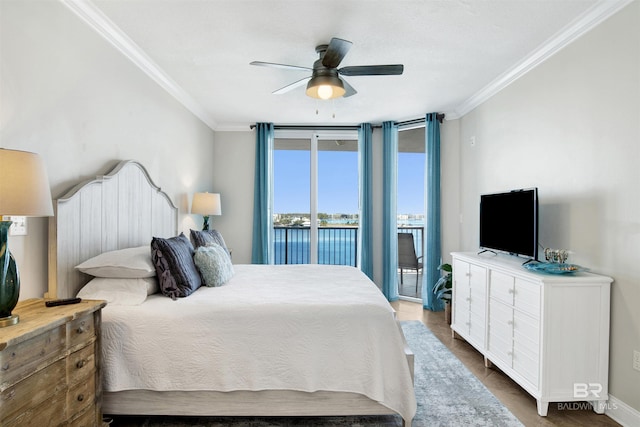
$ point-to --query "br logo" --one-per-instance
(584, 390)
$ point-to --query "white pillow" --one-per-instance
(119, 291)
(124, 263)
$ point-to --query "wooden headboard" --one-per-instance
(119, 210)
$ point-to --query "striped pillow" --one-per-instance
(207, 238)
(173, 259)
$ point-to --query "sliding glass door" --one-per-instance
(316, 197)
(410, 211)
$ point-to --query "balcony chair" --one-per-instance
(407, 258)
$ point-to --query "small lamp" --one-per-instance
(24, 191)
(206, 204)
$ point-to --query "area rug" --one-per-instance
(446, 392)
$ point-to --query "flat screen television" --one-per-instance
(509, 222)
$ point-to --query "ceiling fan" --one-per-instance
(325, 81)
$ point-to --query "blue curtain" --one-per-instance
(432, 254)
(389, 208)
(365, 176)
(262, 248)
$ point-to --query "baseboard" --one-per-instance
(622, 413)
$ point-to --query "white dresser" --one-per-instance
(549, 333)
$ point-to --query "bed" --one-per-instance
(297, 340)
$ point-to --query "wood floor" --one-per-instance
(519, 402)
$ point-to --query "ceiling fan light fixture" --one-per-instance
(325, 87)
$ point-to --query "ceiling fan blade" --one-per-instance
(285, 66)
(336, 51)
(349, 90)
(372, 70)
(291, 86)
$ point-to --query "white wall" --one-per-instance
(571, 127)
(69, 96)
(233, 174)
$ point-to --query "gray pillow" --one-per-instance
(173, 259)
(214, 264)
(207, 238)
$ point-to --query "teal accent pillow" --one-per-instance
(214, 264)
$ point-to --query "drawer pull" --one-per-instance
(80, 397)
(511, 291)
(81, 363)
(81, 329)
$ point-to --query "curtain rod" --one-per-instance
(439, 116)
(311, 127)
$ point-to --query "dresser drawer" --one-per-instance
(20, 360)
(526, 365)
(500, 348)
(81, 364)
(526, 330)
(501, 318)
(526, 297)
(501, 287)
(81, 395)
(81, 331)
(49, 413)
(33, 390)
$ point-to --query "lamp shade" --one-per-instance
(24, 191)
(24, 185)
(206, 204)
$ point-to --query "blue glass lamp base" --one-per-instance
(9, 321)
(9, 279)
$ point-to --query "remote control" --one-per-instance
(64, 301)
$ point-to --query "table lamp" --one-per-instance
(206, 204)
(24, 191)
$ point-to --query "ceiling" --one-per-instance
(456, 53)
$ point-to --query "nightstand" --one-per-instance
(50, 370)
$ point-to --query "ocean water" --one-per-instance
(337, 246)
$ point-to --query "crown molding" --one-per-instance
(587, 21)
(99, 22)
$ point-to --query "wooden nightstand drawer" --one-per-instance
(48, 413)
(81, 363)
(81, 331)
(33, 390)
(81, 395)
(88, 418)
(20, 360)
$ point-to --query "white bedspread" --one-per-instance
(295, 327)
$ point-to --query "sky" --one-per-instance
(338, 182)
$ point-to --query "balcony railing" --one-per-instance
(336, 245)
